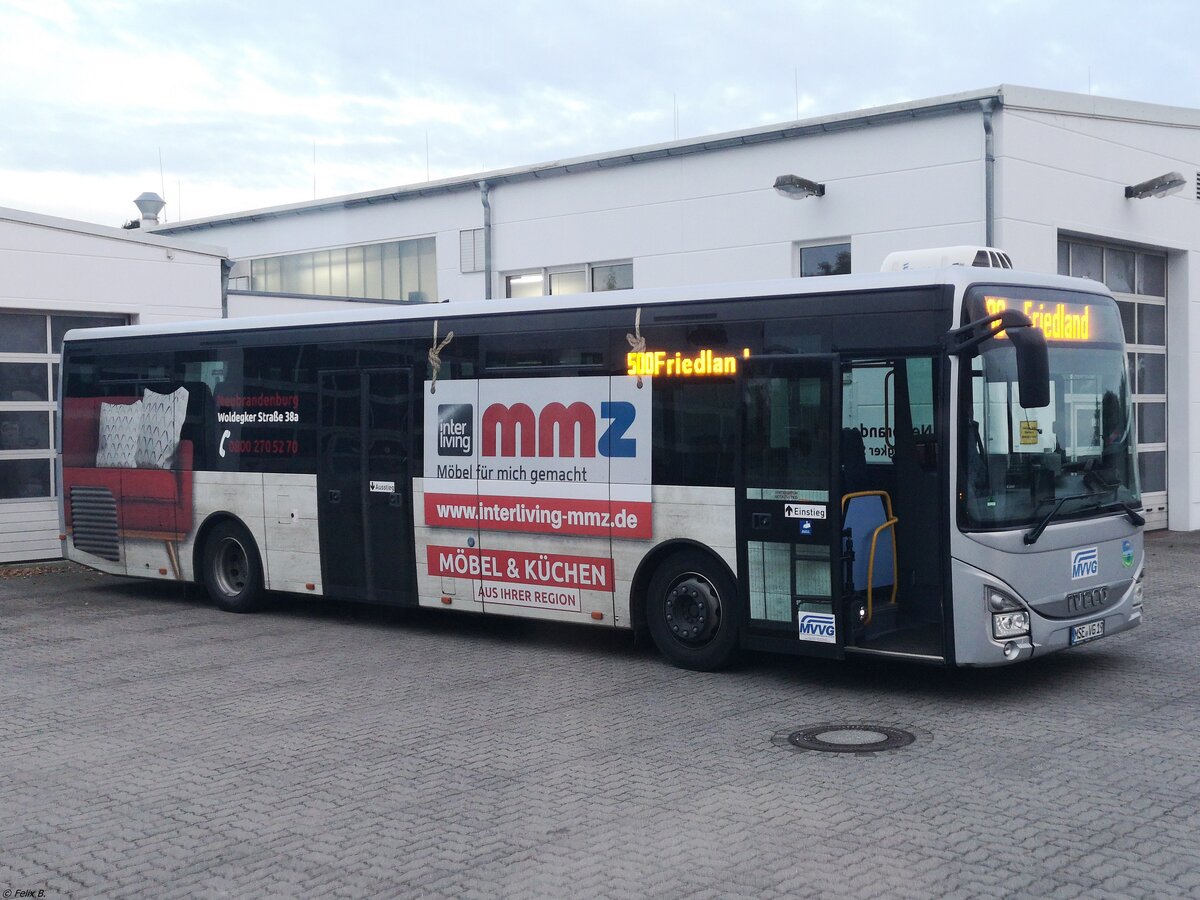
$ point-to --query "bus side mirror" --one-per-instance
(1029, 344)
(1033, 367)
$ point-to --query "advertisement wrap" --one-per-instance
(511, 455)
(541, 580)
(236, 410)
(547, 463)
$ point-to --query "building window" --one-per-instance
(563, 280)
(822, 259)
(571, 282)
(470, 250)
(402, 271)
(1138, 279)
(612, 277)
(527, 285)
(30, 348)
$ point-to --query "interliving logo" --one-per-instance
(820, 627)
(456, 424)
(1085, 563)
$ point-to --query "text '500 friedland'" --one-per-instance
(654, 363)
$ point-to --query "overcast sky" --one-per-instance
(223, 106)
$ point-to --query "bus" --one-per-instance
(931, 465)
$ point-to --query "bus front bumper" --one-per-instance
(980, 639)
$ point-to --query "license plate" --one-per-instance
(1088, 631)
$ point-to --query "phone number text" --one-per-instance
(274, 447)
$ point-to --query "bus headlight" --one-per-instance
(1010, 625)
(1009, 618)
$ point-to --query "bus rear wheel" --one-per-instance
(231, 569)
(690, 612)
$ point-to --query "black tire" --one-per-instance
(691, 611)
(231, 569)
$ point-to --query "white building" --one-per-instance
(56, 275)
(1043, 175)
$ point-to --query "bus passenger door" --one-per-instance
(363, 485)
(788, 517)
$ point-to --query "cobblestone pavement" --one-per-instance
(154, 747)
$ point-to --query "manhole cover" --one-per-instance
(833, 737)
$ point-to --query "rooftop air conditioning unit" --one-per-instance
(940, 257)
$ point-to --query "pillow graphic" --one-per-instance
(120, 427)
(161, 425)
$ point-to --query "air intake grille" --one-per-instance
(94, 522)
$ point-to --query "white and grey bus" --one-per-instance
(935, 465)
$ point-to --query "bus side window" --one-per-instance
(867, 409)
(198, 420)
(694, 423)
(870, 392)
(977, 464)
(854, 461)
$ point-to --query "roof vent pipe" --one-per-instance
(149, 205)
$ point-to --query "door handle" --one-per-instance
(760, 520)
(335, 496)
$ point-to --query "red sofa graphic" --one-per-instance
(148, 502)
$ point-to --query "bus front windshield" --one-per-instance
(1071, 459)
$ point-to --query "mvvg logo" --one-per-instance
(818, 627)
(456, 422)
(1085, 563)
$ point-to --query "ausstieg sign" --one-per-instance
(557, 456)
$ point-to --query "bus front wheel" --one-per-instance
(690, 612)
(231, 569)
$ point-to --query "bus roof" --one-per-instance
(957, 276)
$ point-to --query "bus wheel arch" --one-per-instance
(227, 562)
(688, 578)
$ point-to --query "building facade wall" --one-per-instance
(695, 219)
(714, 217)
(439, 217)
(1183, 383)
(1064, 173)
(52, 267)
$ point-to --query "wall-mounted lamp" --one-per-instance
(797, 188)
(1156, 187)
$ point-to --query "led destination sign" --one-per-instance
(1060, 321)
(655, 363)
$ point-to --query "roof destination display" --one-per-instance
(1060, 320)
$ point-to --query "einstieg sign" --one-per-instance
(551, 456)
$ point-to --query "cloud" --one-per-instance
(235, 96)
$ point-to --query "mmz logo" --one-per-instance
(818, 627)
(1085, 563)
(456, 422)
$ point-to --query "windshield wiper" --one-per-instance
(1132, 514)
(1031, 537)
